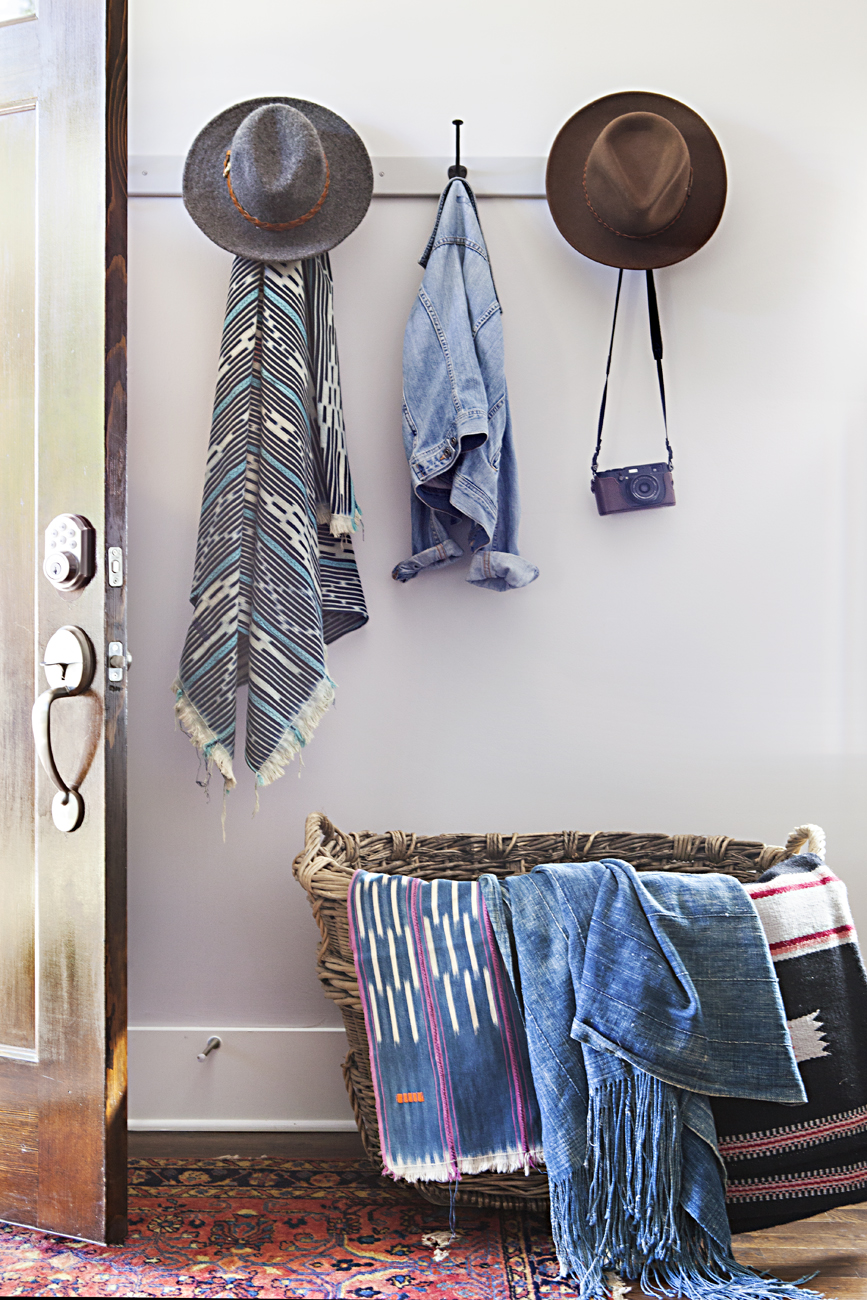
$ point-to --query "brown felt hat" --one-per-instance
(636, 180)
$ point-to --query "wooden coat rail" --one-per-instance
(159, 176)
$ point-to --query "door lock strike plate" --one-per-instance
(117, 661)
(115, 566)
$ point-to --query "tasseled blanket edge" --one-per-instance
(339, 525)
(201, 735)
(443, 1171)
(621, 1211)
(700, 1269)
(299, 732)
(297, 735)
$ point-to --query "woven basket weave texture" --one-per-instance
(326, 866)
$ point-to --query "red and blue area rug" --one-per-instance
(268, 1227)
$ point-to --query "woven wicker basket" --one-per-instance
(331, 856)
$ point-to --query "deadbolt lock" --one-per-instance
(70, 552)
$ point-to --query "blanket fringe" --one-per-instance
(621, 1212)
(201, 735)
(299, 733)
(345, 525)
(338, 525)
(443, 1171)
(697, 1269)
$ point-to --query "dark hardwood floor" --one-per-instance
(210, 1146)
(834, 1244)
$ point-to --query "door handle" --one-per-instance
(70, 664)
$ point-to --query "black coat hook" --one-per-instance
(457, 170)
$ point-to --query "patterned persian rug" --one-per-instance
(270, 1227)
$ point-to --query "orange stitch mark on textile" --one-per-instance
(409, 1096)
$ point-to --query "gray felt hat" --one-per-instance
(277, 179)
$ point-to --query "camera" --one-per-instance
(639, 487)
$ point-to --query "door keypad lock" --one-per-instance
(70, 553)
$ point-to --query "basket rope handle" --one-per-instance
(808, 838)
(317, 828)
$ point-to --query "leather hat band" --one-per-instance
(621, 233)
(275, 225)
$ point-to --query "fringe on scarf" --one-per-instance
(339, 525)
(298, 734)
(443, 1171)
(621, 1212)
(205, 740)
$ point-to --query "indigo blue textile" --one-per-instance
(640, 995)
(448, 1054)
(457, 429)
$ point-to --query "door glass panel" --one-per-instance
(17, 554)
(15, 11)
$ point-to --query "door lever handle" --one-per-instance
(69, 665)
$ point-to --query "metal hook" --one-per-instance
(457, 169)
(212, 1042)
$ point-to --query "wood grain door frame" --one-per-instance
(63, 89)
(115, 617)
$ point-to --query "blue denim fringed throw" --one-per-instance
(640, 995)
(448, 1053)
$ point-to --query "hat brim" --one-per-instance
(568, 202)
(207, 198)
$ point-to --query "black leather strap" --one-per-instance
(656, 348)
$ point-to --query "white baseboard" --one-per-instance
(258, 1080)
(242, 1125)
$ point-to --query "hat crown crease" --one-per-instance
(637, 174)
(277, 163)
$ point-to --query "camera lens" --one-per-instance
(644, 488)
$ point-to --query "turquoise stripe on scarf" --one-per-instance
(279, 353)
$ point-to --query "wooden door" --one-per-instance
(62, 451)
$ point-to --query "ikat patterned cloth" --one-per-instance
(275, 576)
(448, 1051)
(791, 1162)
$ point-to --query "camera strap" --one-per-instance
(656, 348)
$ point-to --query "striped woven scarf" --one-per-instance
(275, 578)
(448, 1052)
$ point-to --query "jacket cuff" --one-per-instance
(500, 571)
(433, 558)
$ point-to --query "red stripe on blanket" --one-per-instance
(828, 878)
(785, 944)
(747, 1145)
(824, 1182)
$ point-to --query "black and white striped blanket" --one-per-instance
(790, 1162)
(275, 577)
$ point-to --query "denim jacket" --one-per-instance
(457, 430)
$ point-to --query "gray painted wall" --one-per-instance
(697, 669)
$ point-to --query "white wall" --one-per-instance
(697, 669)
